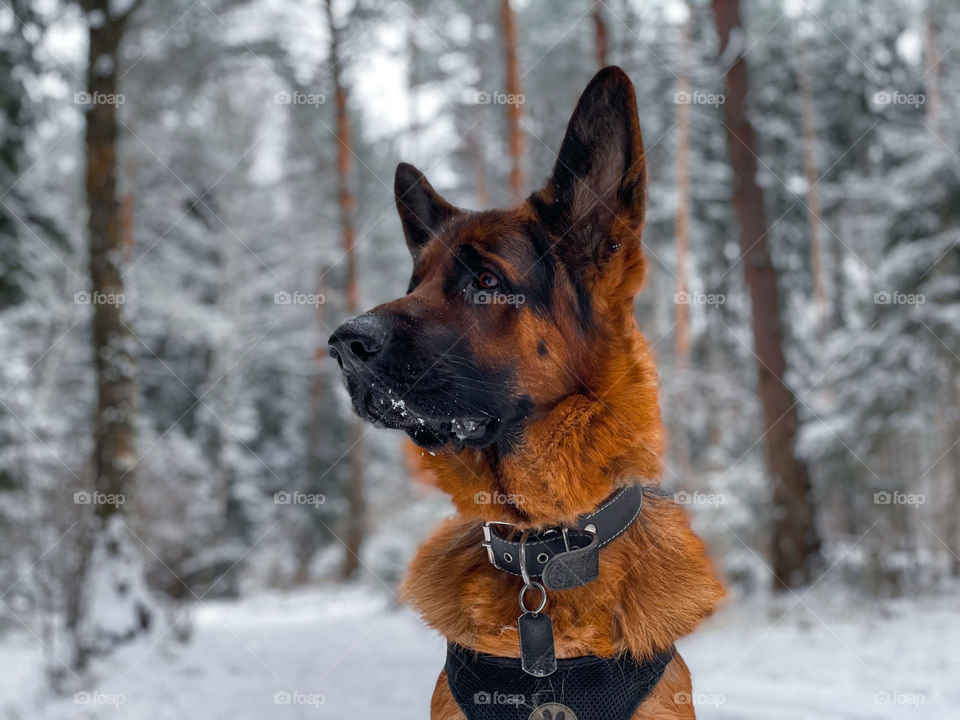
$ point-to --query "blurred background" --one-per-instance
(193, 193)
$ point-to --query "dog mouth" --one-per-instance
(430, 430)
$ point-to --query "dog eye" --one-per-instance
(487, 280)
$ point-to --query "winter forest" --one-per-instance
(195, 193)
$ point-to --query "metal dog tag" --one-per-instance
(537, 655)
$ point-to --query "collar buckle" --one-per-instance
(563, 556)
(488, 539)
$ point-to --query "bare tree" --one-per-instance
(681, 229)
(114, 453)
(475, 148)
(109, 566)
(795, 539)
(516, 139)
(599, 34)
(356, 500)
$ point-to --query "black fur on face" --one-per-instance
(429, 363)
(425, 380)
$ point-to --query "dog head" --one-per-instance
(509, 311)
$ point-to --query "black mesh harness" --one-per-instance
(536, 685)
(584, 688)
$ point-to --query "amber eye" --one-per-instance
(487, 280)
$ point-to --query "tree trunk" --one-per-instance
(110, 577)
(413, 91)
(114, 454)
(475, 149)
(814, 207)
(513, 105)
(599, 34)
(795, 540)
(355, 531)
(682, 231)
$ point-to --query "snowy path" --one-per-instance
(346, 654)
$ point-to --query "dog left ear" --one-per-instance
(596, 196)
(421, 208)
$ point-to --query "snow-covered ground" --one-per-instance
(352, 653)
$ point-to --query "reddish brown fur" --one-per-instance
(595, 426)
(655, 582)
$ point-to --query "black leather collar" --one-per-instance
(565, 557)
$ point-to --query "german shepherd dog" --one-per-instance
(515, 363)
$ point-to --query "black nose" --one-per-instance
(357, 341)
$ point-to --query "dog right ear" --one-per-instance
(421, 208)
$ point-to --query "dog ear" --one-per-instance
(595, 199)
(421, 208)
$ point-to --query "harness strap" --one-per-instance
(565, 557)
(487, 687)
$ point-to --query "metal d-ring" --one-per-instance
(529, 584)
(543, 597)
(523, 559)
